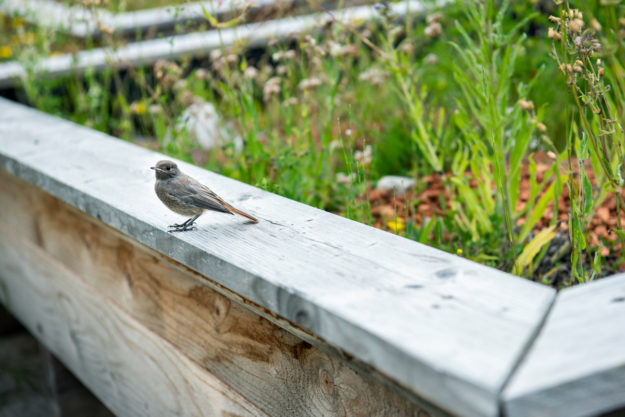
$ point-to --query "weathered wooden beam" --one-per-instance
(447, 329)
(280, 373)
(80, 21)
(576, 367)
(132, 370)
(193, 44)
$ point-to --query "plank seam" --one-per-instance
(527, 348)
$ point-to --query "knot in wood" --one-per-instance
(327, 382)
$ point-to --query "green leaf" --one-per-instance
(224, 25)
(587, 193)
(472, 204)
(531, 249)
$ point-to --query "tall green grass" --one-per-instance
(468, 92)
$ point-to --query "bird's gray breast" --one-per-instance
(169, 193)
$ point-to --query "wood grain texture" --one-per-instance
(130, 368)
(576, 367)
(278, 372)
(445, 328)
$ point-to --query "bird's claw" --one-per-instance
(181, 228)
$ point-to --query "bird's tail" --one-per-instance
(241, 213)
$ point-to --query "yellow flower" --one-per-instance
(18, 22)
(5, 52)
(459, 251)
(138, 107)
(397, 225)
(28, 38)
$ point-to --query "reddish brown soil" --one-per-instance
(417, 206)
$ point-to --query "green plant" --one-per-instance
(594, 129)
(496, 130)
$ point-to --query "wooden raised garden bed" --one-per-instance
(305, 313)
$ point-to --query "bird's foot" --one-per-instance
(181, 227)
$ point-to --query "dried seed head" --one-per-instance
(215, 55)
(201, 74)
(433, 30)
(575, 14)
(600, 72)
(106, 30)
(364, 156)
(155, 109)
(395, 33)
(576, 25)
(580, 63)
(407, 46)
(577, 68)
(187, 98)
(595, 25)
(578, 41)
(309, 83)
(345, 179)
(430, 59)
(250, 73)
(526, 105)
(541, 127)
(554, 19)
(433, 18)
(180, 85)
(272, 87)
(553, 34)
(291, 101)
(375, 76)
(336, 49)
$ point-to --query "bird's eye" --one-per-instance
(168, 168)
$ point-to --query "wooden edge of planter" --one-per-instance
(447, 329)
(96, 292)
(198, 44)
(576, 366)
(82, 22)
(113, 354)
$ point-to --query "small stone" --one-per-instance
(400, 185)
(205, 126)
(385, 211)
(604, 214)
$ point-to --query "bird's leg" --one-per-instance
(187, 225)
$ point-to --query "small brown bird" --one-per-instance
(185, 195)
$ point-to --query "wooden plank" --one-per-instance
(82, 22)
(198, 44)
(281, 374)
(131, 369)
(576, 367)
(448, 329)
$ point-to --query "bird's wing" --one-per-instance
(197, 194)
